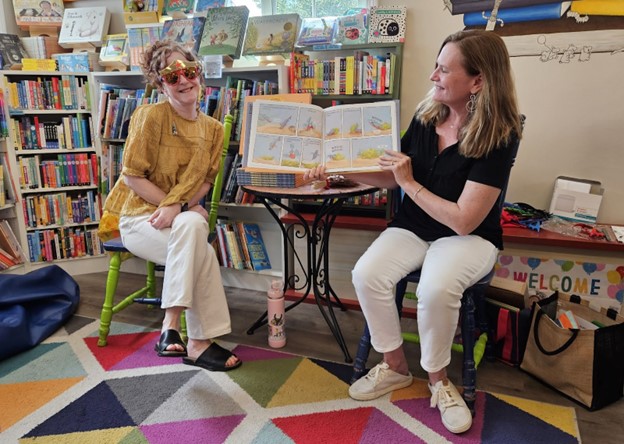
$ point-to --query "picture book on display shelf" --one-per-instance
(224, 31)
(38, 12)
(387, 24)
(201, 6)
(187, 31)
(114, 52)
(316, 31)
(351, 29)
(271, 34)
(178, 8)
(293, 137)
(84, 27)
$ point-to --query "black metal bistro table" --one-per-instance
(315, 272)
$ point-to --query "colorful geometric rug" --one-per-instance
(69, 390)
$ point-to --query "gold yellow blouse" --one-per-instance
(174, 153)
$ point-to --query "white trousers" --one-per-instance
(192, 276)
(448, 266)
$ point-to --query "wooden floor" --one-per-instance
(308, 335)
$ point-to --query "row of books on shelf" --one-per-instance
(240, 246)
(63, 243)
(116, 105)
(66, 92)
(69, 132)
(61, 209)
(11, 252)
(360, 73)
(112, 155)
(80, 169)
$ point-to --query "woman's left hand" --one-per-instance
(399, 164)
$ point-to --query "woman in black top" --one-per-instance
(455, 159)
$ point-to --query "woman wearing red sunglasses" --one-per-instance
(170, 161)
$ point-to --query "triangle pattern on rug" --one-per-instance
(119, 347)
(96, 409)
(118, 435)
(140, 396)
(201, 397)
(309, 383)
(199, 431)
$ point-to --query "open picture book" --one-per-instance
(294, 137)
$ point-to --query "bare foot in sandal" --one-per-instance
(213, 357)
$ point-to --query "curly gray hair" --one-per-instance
(155, 59)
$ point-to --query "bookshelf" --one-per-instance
(54, 166)
(112, 147)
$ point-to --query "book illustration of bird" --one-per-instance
(273, 145)
(285, 122)
(379, 124)
(315, 155)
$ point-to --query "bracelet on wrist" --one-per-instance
(185, 207)
(416, 192)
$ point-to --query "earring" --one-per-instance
(471, 106)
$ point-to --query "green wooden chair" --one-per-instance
(118, 254)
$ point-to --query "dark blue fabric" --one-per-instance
(33, 306)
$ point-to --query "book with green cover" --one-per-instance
(224, 31)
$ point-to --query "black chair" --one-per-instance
(473, 323)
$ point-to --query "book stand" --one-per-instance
(44, 31)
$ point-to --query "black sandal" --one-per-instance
(167, 338)
(214, 359)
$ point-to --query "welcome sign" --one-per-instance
(602, 283)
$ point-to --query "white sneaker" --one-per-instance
(456, 416)
(379, 381)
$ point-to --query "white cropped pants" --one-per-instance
(192, 276)
(448, 266)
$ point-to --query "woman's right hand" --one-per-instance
(316, 173)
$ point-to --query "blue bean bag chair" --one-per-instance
(33, 306)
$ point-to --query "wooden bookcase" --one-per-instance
(57, 203)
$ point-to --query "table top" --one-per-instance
(307, 192)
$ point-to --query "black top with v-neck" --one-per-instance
(445, 174)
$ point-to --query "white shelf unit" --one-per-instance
(15, 213)
(271, 234)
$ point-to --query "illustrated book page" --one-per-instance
(224, 30)
(345, 138)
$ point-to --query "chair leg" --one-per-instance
(469, 373)
(111, 287)
(361, 356)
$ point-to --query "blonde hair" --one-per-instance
(496, 117)
(155, 59)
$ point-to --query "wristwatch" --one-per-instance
(184, 207)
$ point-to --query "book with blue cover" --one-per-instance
(255, 245)
(547, 11)
(186, 31)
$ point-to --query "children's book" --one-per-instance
(138, 40)
(12, 51)
(387, 24)
(38, 12)
(186, 31)
(256, 248)
(271, 34)
(224, 31)
(351, 30)
(175, 8)
(84, 26)
(201, 6)
(316, 31)
(114, 52)
(297, 136)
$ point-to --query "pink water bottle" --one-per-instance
(275, 313)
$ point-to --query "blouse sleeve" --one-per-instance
(215, 158)
(139, 156)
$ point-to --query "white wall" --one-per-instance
(575, 111)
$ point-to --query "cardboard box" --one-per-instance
(576, 199)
